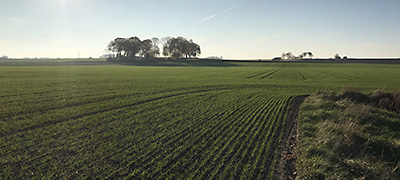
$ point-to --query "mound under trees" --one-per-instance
(133, 47)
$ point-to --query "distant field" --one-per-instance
(155, 122)
(52, 62)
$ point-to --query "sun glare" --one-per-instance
(65, 2)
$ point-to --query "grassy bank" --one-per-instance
(349, 135)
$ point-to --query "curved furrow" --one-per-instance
(43, 110)
(176, 137)
(217, 139)
(149, 155)
(258, 74)
(164, 140)
(301, 74)
(240, 151)
(274, 140)
(137, 111)
(78, 132)
(45, 123)
(265, 143)
(342, 76)
(228, 140)
(235, 144)
(32, 93)
(227, 170)
(49, 123)
(201, 134)
(263, 157)
(249, 157)
(278, 136)
(270, 74)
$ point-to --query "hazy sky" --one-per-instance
(228, 28)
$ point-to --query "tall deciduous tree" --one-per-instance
(311, 55)
(155, 51)
(288, 55)
(146, 46)
(337, 57)
(117, 45)
(180, 47)
(134, 46)
(305, 54)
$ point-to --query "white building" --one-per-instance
(108, 56)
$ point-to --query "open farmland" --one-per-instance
(152, 122)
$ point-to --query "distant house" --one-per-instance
(108, 56)
(214, 57)
(277, 59)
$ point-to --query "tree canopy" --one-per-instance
(181, 47)
(132, 47)
(290, 55)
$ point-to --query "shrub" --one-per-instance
(377, 98)
(353, 94)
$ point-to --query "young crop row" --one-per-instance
(78, 107)
(282, 72)
(265, 74)
(23, 147)
(222, 149)
(206, 133)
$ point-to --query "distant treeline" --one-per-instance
(133, 47)
(327, 60)
(290, 55)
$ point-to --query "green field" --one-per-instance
(158, 122)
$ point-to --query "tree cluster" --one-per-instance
(303, 55)
(133, 47)
(181, 47)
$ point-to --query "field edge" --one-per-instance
(286, 164)
(345, 135)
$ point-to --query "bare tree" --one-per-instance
(288, 55)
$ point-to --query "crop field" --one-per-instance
(152, 122)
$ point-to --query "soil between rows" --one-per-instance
(286, 164)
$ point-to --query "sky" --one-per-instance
(234, 29)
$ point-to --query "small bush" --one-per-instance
(390, 102)
(377, 98)
(378, 94)
(353, 94)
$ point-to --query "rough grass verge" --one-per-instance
(349, 135)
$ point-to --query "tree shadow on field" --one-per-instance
(176, 63)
